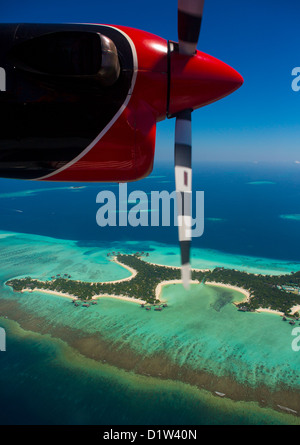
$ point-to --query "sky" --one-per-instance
(259, 38)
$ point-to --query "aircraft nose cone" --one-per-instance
(199, 80)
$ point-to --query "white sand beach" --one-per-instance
(229, 286)
(95, 297)
(119, 297)
(296, 309)
(270, 311)
(176, 267)
(131, 270)
(165, 283)
(51, 292)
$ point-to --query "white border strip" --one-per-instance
(116, 116)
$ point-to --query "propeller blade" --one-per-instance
(183, 180)
(189, 23)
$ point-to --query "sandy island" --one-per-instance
(159, 288)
